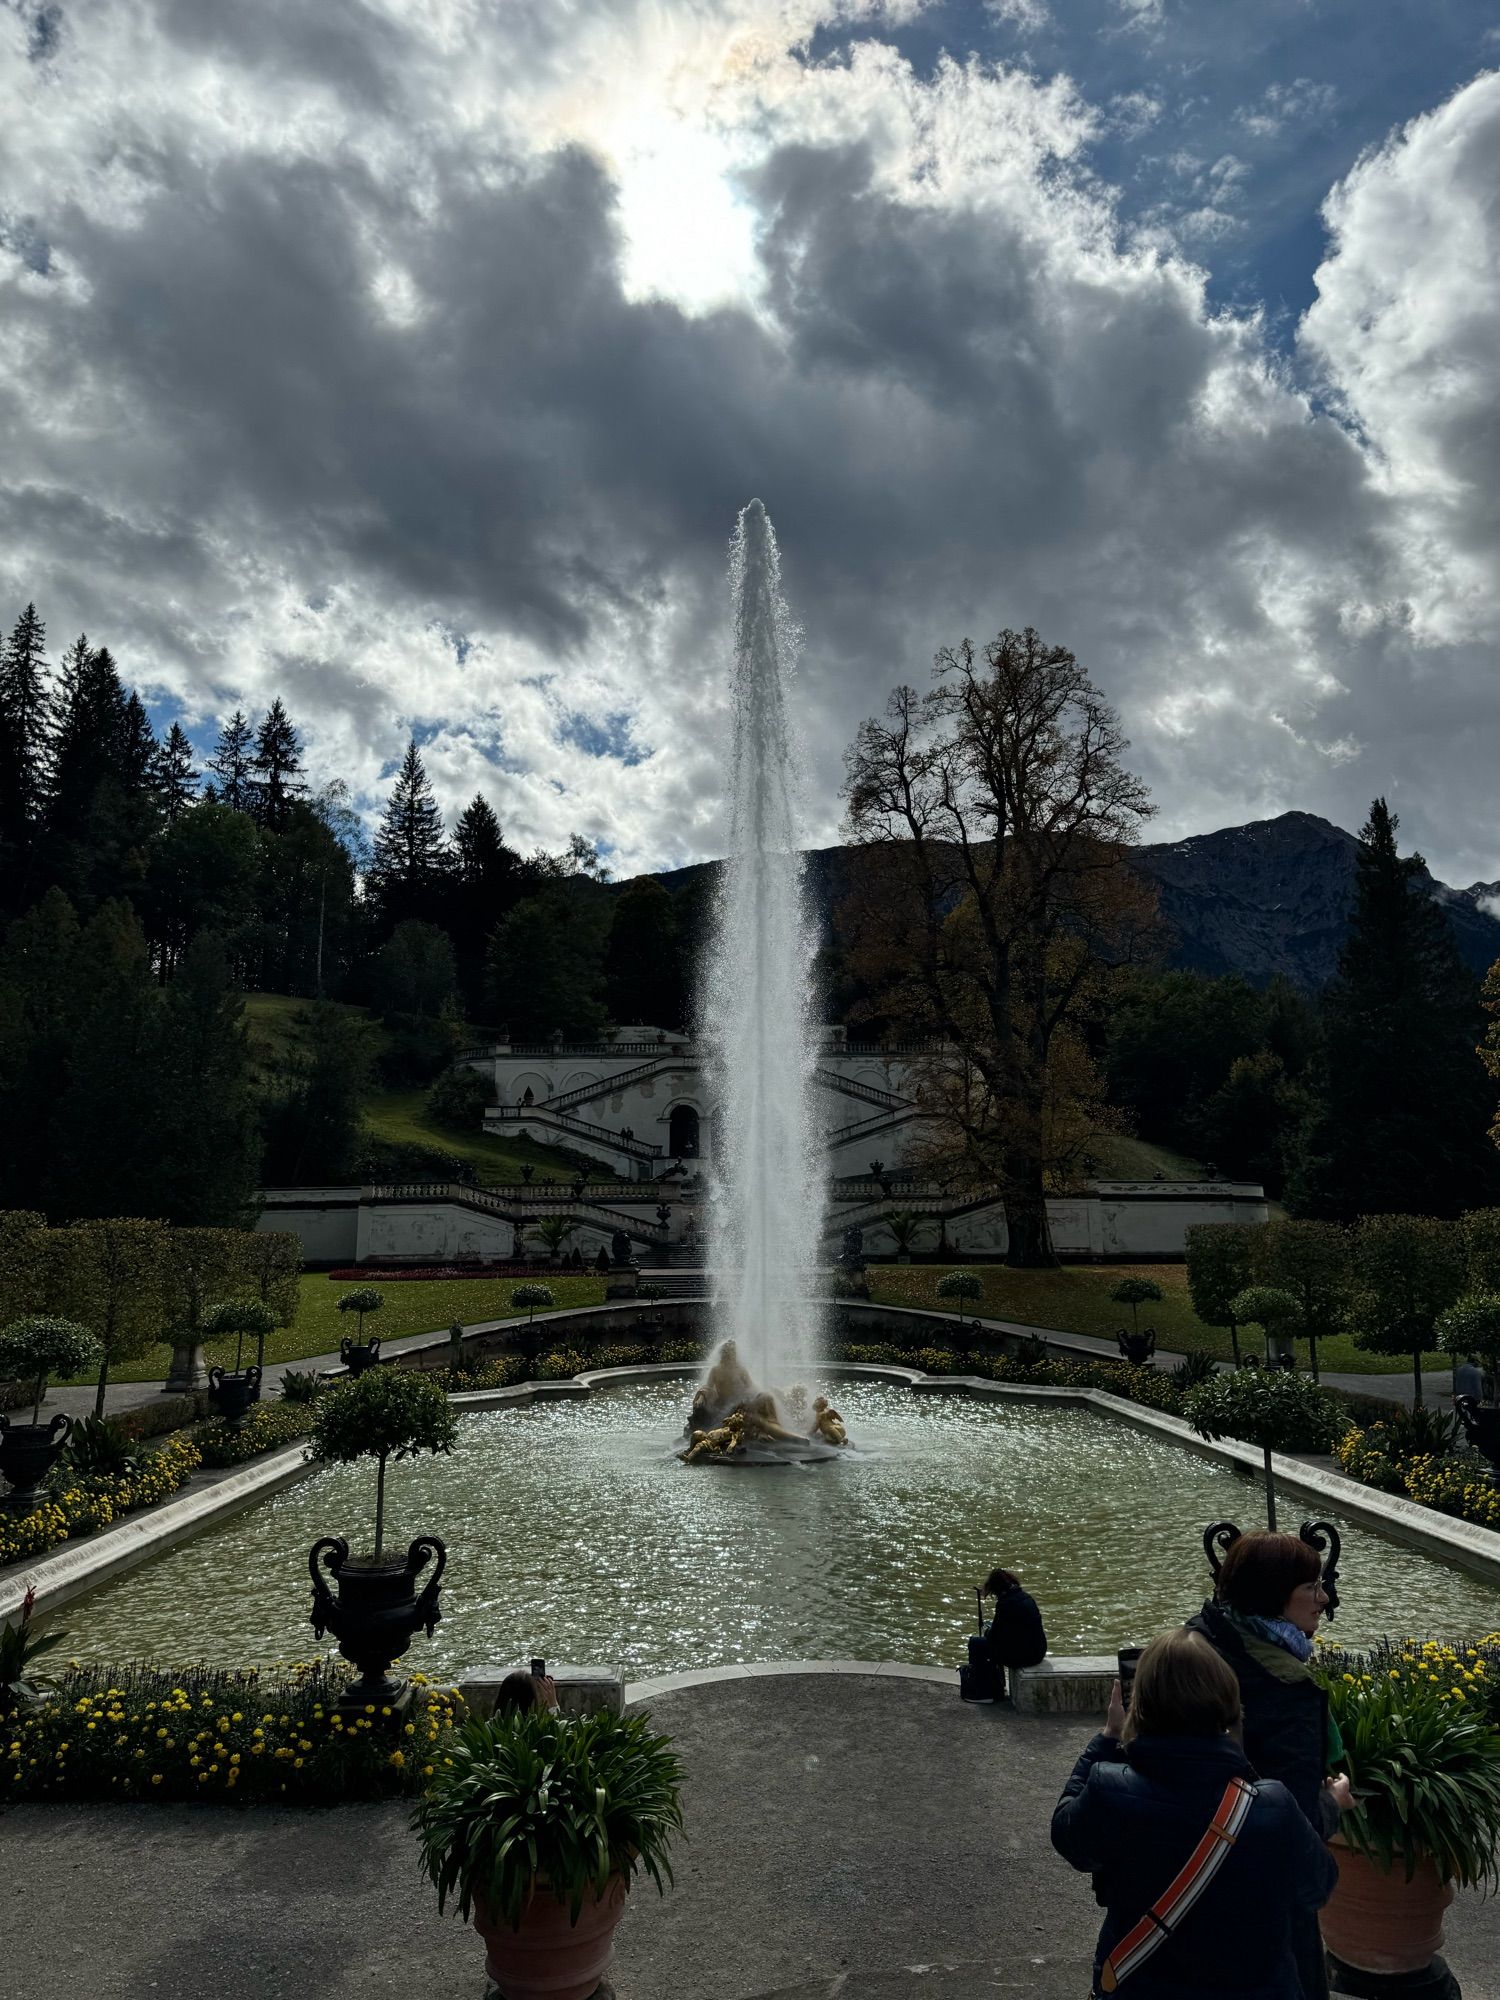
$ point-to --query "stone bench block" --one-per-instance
(1074, 1684)
(580, 1690)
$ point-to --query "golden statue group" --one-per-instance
(730, 1417)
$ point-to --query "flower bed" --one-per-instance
(268, 1427)
(84, 1504)
(1448, 1482)
(1139, 1385)
(145, 1733)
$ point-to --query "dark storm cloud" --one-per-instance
(384, 391)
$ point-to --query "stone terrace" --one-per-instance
(854, 1836)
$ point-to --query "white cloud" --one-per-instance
(326, 336)
(1283, 104)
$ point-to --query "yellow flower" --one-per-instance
(156, 1777)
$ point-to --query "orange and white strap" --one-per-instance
(1200, 1868)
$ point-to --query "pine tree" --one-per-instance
(24, 712)
(481, 857)
(89, 738)
(488, 879)
(99, 809)
(230, 763)
(641, 965)
(411, 854)
(1400, 1102)
(175, 778)
(208, 1145)
(276, 766)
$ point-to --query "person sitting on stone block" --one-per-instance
(1014, 1637)
(520, 1692)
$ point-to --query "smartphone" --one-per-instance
(1126, 1660)
(538, 1669)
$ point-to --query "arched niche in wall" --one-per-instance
(683, 1132)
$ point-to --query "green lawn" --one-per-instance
(400, 1117)
(1075, 1299)
(409, 1308)
(1124, 1159)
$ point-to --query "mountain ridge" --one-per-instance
(1271, 897)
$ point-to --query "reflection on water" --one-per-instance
(573, 1532)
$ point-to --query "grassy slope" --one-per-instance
(400, 1116)
(1075, 1299)
(409, 1308)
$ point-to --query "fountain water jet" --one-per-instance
(757, 1015)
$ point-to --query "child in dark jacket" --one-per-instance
(1141, 1799)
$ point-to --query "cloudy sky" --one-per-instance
(410, 359)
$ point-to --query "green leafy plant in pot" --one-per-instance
(385, 1414)
(1425, 1762)
(233, 1391)
(358, 1354)
(33, 1350)
(535, 1827)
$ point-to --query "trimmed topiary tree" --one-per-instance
(532, 1297)
(239, 1317)
(1135, 1293)
(1408, 1269)
(961, 1285)
(1472, 1326)
(1219, 1267)
(35, 1349)
(363, 1301)
(1271, 1309)
(1311, 1261)
(1263, 1406)
(385, 1414)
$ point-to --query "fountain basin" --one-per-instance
(574, 1532)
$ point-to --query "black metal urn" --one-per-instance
(358, 1355)
(1137, 1348)
(28, 1453)
(377, 1610)
(233, 1391)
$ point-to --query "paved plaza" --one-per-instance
(854, 1836)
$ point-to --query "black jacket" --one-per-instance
(1014, 1636)
(1132, 1818)
(1285, 1725)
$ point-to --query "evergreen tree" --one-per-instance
(487, 882)
(41, 997)
(308, 917)
(1400, 1101)
(208, 1134)
(176, 780)
(411, 855)
(643, 982)
(230, 763)
(23, 749)
(205, 875)
(276, 767)
(100, 808)
(545, 965)
(314, 1128)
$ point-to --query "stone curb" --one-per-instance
(753, 1670)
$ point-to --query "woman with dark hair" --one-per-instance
(1261, 1623)
(1203, 1873)
(1014, 1637)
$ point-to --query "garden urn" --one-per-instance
(376, 1610)
(550, 1957)
(1378, 1922)
(232, 1391)
(358, 1355)
(28, 1453)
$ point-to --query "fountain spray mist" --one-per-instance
(757, 1006)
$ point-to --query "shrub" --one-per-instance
(874, 1352)
(459, 1099)
(98, 1444)
(681, 1347)
(386, 1413)
(938, 1361)
(623, 1354)
(239, 1317)
(1455, 1486)
(560, 1363)
(1263, 1406)
(301, 1385)
(499, 1371)
(533, 1795)
(33, 1350)
(1268, 1307)
(193, 1733)
(268, 1427)
(1472, 1326)
(1135, 1293)
(1192, 1369)
(530, 1299)
(83, 1505)
(362, 1301)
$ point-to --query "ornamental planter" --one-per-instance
(1377, 1921)
(377, 1610)
(28, 1453)
(232, 1391)
(358, 1355)
(549, 1957)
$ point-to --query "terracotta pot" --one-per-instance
(1380, 1922)
(549, 1958)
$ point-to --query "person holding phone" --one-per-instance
(519, 1692)
(1202, 1870)
(1261, 1624)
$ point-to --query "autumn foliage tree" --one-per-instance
(1003, 905)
